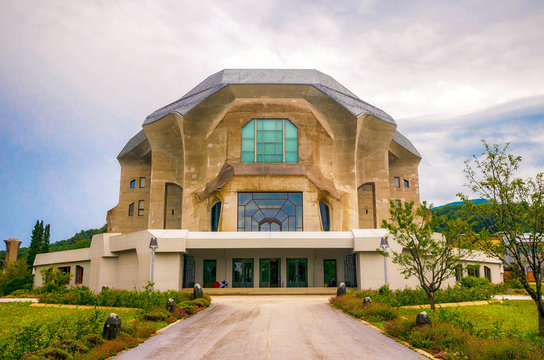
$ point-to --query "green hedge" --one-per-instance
(143, 299)
(418, 296)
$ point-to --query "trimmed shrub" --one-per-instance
(472, 282)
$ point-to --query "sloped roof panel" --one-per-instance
(405, 143)
(219, 80)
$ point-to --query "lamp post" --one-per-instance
(384, 245)
(153, 245)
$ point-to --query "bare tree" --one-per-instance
(514, 214)
(430, 257)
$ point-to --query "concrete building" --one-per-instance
(260, 178)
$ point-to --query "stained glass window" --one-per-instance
(270, 211)
(269, 140)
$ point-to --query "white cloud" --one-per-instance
(78, 78)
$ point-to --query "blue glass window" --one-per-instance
(325, 216)
(269, 140)
(270, 211)
(215, 215)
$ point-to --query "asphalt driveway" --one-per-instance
(270, 327)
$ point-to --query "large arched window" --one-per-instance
(325, 216)
(215, 215)
(270, 140)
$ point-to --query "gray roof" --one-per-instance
(405, 143)
(133, 143)
(317, 79)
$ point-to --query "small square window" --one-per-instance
(140, 208)
(132, 183)
(142, 182)
(396, 181)
(406, 183)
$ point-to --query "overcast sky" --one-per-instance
(78, 78)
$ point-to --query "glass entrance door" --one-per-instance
(242, 273)
(297, 272)
(269, 273)
(329, 272)
(209, 272)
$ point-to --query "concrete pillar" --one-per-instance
(12, 249)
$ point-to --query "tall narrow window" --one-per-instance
(406, 183)
(132, 183)
(215, 215)
(398, 203)
(79, 275)
(140, 208)
(396, 181)
(142, 182)
(131, 209)
(325, 216)
(269, 140)
(487, 273)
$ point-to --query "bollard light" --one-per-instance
(384, 245)
(153, 245)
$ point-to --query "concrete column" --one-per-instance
(12, 249)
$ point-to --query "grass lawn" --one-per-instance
(495, 331)
(22, 314)
(32, 332)
(508, 319)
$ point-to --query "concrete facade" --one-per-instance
(188, 160)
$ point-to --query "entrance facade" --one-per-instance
(297, 272)
(270, 273)
(329, 272)
(210, 271)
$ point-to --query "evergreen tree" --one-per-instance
(45, 242)
(35, 243)
(39, 242)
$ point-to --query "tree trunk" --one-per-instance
(431, 300)
(540, 308)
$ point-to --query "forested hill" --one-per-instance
(80, 240)
(458, 210)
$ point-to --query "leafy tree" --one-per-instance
(515, 213)
(430, 257)
(15, 276)
(54, 280)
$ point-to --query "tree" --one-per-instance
(515, 215)
(15, 276)
(430, 257)
(54, 280)
(35, 243)
(45, 241)
(39, 242)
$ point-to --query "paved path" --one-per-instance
(6, 300)
(513, 297)
(270, 327)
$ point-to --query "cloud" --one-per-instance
(445, 143)
(78, 79)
